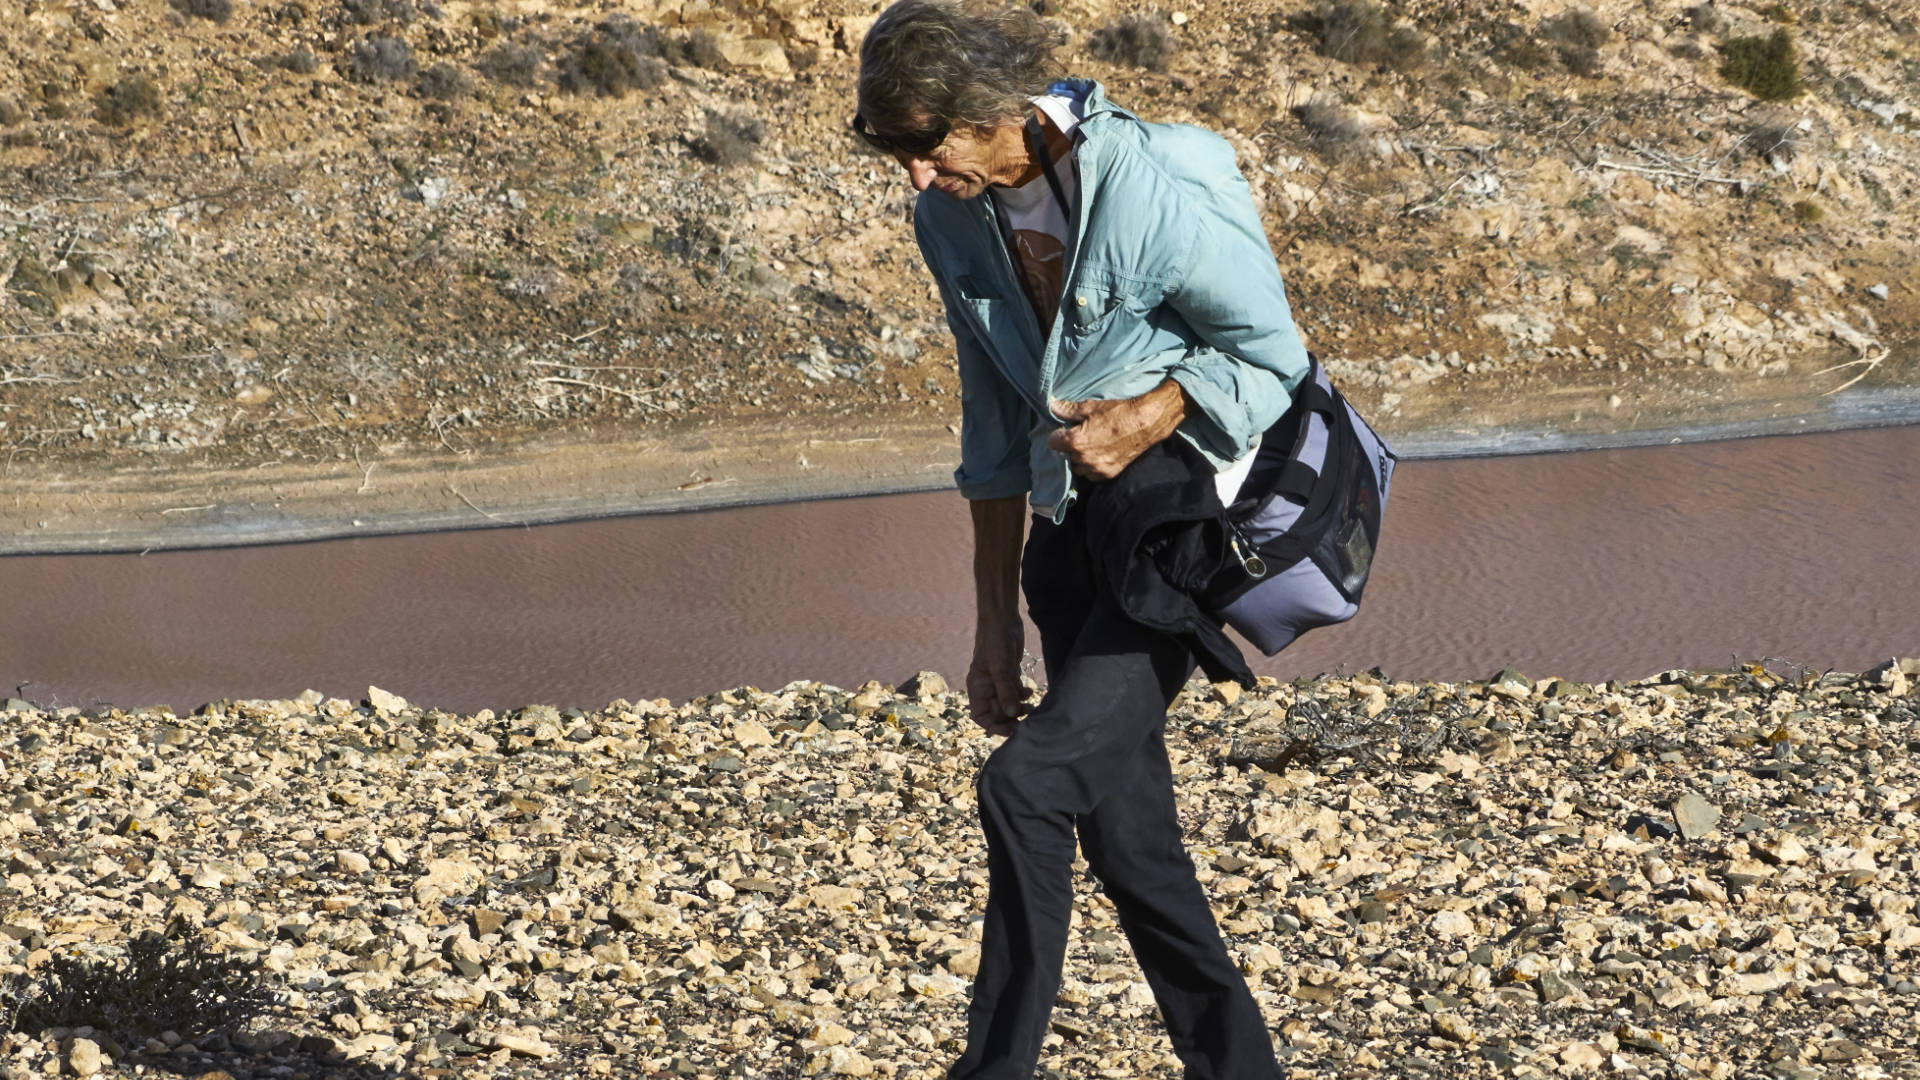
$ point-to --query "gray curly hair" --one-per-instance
(928, 63)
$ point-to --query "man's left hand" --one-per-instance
(1105, 436)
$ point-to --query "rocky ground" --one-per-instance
(240, 234)
(1699, 874)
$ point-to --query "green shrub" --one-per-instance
(1807, 212)
(127, 101)
(1765, 67)
(1142, 40)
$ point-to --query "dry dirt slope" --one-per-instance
(242, 234)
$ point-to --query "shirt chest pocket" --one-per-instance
(1091, 309)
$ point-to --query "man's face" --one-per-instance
(968, 161)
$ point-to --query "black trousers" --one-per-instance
(1092, 759)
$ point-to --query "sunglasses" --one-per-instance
(915, 144)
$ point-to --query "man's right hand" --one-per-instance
(995, 694)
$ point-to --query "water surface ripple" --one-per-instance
(1592, 565)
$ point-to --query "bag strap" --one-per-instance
(1297, 478)
(1037, 145)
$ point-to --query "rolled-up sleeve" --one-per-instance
(995, 421)
(1232, 297)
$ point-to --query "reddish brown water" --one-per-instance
(1592, 565)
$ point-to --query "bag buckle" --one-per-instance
(1250, 561)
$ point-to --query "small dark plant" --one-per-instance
(1771, 139)
(443, 82)
(380, 59)
(128, 101)
(1142, 40)
(1778, 13)
(514, 65)
(1807, 212)
(213, 10)
(1705, 19)
(1336, 133)
(729, 139)
(617, 57)
(162, 982)
(1765, 67)
(697, 48)
(1577, 36)
(1515, 47)
(299, 61)
(370, 12)
(1357, 32)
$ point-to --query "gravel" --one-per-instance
(1420, 880)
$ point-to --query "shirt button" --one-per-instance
(1081, 300)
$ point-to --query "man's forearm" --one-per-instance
(998, 527)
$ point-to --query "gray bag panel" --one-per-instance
(1273, 613)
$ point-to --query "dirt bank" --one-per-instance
(304, 239)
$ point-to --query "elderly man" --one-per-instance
(1109, 286)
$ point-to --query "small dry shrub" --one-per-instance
(1577, 36)
(443, 82)
(212, 10)
(1778, 13)
(1705, 19)
(729, 139)
(162, 982)
(1807, 212)
(1515, 47)
(1774, 139)
(133, 98)
(370, 12)
(514, 65)
(696, 48)
(299, 61)
(1142, 39)
(617, 57)
(380, 59)
(1336, 133)
(1766, 67)
(1357, 32)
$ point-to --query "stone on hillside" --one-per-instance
(384, 703)
(84, 1057)
(924, 685)
(1695, 816)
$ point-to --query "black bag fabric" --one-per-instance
(1307, 524)
(1291, 554)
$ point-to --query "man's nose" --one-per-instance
(920, 171)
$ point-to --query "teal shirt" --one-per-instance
(1169, 275)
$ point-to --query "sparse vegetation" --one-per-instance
(371, 12)
(1772, 138)
(1577, 36)
(10, 112)
(514, 65)
(1778, 13)
(1808, 212)
(1514, 47)
(618, 56)
(1766, 67)
(299, 61)
(443, 82)
(380, 59)
(162, 982)
(212, 10)
(1705, 19)
(1336, 133)
(1357, 32)
(128, 101)
(1142, 39)
(729, 139)
(697, 48)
